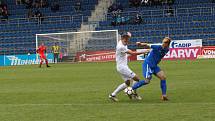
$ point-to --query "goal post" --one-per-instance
(72, 43)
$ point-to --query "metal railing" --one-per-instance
(144, 13)
(176, 12)
(45, 19)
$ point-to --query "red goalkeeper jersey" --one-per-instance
(41, 50)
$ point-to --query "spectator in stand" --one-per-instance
(1, 7)
(28, 3)
(157, 2)
(130, 2)
(123, 20)
(119, 7)
(170, 11)
(55, 7)
(128, 20)
(115, 7)
(2, 2)
(170, 2)
(113, 23)
(18, 2)
(135, 3)
(119, 20)
(1, 12)
(138, 19)
(37, 3)
(145, 2)
(30, 13)
(44, 3)
(78, 5)
(39, 15)
(4, 11)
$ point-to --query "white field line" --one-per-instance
(106, 104)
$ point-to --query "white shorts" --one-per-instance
(126, 73)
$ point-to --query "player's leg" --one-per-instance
(41, 61)
(130, 75)
(46, 60)
(47, 64)
(121, 87)
(135, 95)
(162, 76)
(126, 75)
(54, 57)
(57, 56)
(147, 74)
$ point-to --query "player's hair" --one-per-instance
(125, 36)
(169, 40)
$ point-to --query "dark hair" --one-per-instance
(125, 36)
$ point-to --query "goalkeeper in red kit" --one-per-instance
(41, 51)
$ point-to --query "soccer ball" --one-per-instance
(129, 91)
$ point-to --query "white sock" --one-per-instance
(118, 89)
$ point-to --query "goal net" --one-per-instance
(72, 43)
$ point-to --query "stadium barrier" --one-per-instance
(96, 56)
(186, 43)
(99, 56)
(25, 59)
(183, 53)
(207, 52)
(190, 53)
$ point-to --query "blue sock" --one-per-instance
(163, 87)
(138, 84)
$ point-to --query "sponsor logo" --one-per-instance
(208, 51)
(14, 60)
(186, 43)
(96, 56)
(183, 53)
(11, 60)
(178, 53)
(180, 45)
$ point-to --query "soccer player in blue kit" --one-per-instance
(150, 65)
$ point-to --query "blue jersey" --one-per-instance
(155, 55)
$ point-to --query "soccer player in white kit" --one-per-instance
(126, 73)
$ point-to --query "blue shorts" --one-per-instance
(148, 71)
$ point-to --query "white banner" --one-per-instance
(186, 43)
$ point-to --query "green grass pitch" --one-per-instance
(79, 92)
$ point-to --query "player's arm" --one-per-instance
(137, 53)
(150, 46)
(38, 50)
(143, 44)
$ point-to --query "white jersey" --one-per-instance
(121, 55)
(122, 62)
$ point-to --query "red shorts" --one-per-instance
(42, 56)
